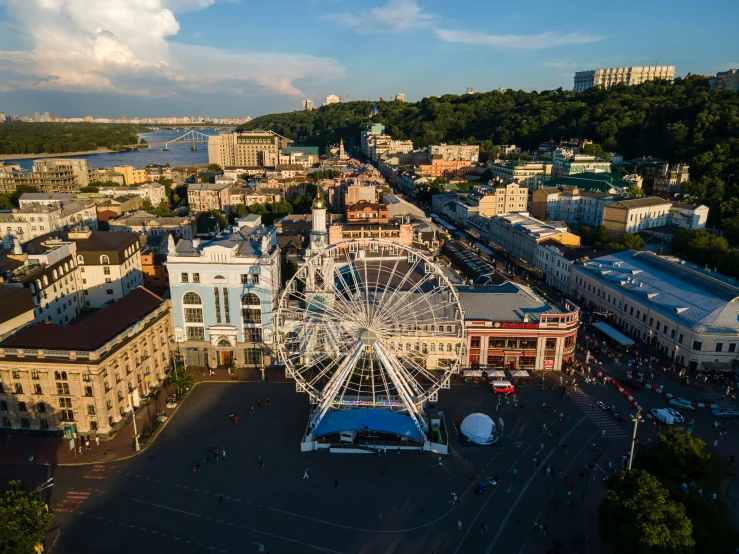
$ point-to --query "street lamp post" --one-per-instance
(135, 432)
(633, 438)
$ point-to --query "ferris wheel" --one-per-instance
(370, 323)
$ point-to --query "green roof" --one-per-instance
(304, 149)
(600, 182)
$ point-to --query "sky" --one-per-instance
(238, 58)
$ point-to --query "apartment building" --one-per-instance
(46, 176)
(455, 152)
(307, 105)
(439, 167)
(609, 77)
(519, 234)
(571, 205)
(726, 80)
(402, 233)
(366, 134)
(331, 99)
(208, 196)
(86, 377)
(363, 213)
(131, 175)
(224, 293)
(670, 179)
(154, 192)
(565, 162)
(44, 198)
(687, 313)
(510, 327)
(633, 215)
(35, 220)
(249, 148)
(530, 174)
(555, 260)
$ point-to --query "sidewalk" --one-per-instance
(18, 448)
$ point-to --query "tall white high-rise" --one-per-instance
(331, 99)
(308, 105)
(627, 75)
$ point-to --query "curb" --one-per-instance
(659, 390)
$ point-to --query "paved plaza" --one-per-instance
(154, 503)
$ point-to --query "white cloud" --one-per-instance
(123, 46)
(396, 16)
(517, 42)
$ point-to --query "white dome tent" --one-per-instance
(480, 429)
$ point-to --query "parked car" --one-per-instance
(725, 412)
(633, 383)
(682, 404)
(662, 415)
(676, 416)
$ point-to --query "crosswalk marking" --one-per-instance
(715, 398)
(71, 501)
(603, 420)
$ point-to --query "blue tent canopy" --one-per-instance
(368, 419)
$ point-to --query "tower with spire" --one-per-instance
(342, 153)
(319, 234)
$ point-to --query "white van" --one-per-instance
(663, 415)
(502, 387)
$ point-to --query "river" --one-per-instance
(179, 153)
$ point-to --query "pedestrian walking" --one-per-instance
(97, 440)
(715, 443)
(544, 531)
(224, 454)
(439, 464)
(268, 401)
(261, 464)
(252, 410)
(379, 453)
(459, 524)
(306, 475)
(384, 450)
(541, 530)
(398, 451)
(603, 434)
(231, 417)
(220, 498)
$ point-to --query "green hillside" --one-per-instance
(684, 121)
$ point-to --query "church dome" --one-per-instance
(319, 202)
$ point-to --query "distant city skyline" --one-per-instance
(183, 57)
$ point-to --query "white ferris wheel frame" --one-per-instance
(357, 334)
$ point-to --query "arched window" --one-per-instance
(449, 347)
(104, 259)
(433, 347)
(250, 299)
(191, 298)
(66, 267)
(441, 347)
(61, 271)
(32, 288)
(46, 281)
(38, 285)
(55, 275)
(219, 278)
(80, 260)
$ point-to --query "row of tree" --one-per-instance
(55, 138)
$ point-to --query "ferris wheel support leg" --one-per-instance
(334, 384)
(400, 385)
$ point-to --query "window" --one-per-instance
(108, 291)
(255, 279)
(193, 315)
(196, 277)
(24, 423)
(225, 305)
(195, 333)
(41, 407)
(664, 328)
(719, 347)
(253, 356)
(6, 421)
(43, 424)
(680, 338)
(697, 345)
(551, 344)
(184, 278)
(217, 302)
(88, 391)
(244, 279)
(192, 299)
(22, 407)
(253, 334)
(18, 388)
(108, 404)
(91, 409)
(4, 405)
(732, 347)
(65, 402)
(106, 271)
(37, 389)
(474, 342)
(104, 259)
(672, 333)
(251, 311)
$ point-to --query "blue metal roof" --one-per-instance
(368, 419)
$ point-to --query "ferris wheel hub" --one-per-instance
(368, 337)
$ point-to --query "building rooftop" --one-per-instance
(15, 301)
(632, 203)
(86, 241)
(92, 332)
(507, 302)
(568, 252)
(42, 197)
(688, 295)
(525, 223)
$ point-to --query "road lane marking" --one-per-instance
(165, 507)
(319, 548)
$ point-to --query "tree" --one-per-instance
(5, 202)
(162, 210)
(584, 234)
(258, 209)
(142, 141)
(626, 241)
(638, 517)
(215, 168)
(730, 208)
(730, 228)
(699, 246)
(636, 190)
(181, 380)
(146, 204)
(679, 455)
(222, 223)
(600, 235)
(24, 520)
(282, 207)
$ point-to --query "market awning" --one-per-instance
(609, 331)
(472, 373)
(368, 419)
(717, 367)
(496, 373)
(519, 373)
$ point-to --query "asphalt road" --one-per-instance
(152, 503)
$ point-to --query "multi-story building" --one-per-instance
(308, 105)
(565, 162)
(249, 149)
(687, 313)
(670, 179)
(79, 166)
(726, 80)
(379, 145)
(153, 266)
(368, 132)
(203, 197)
(364, 213)
(400, 97)
(46, 177)
(158, 171)
(530, 174)
(634, 214)
(401, 233)
(50, 272)
(18, 310)
(35, 220)
(153, 191)
(571, 205)
(555, 261)
(508, 326)
(224, 293)
(439, 167)
(627, 75)
(499, 198)
(131, 175)
(85, 377)
(44, 198)
(331, 99)
(455, 152)
(519, 234)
